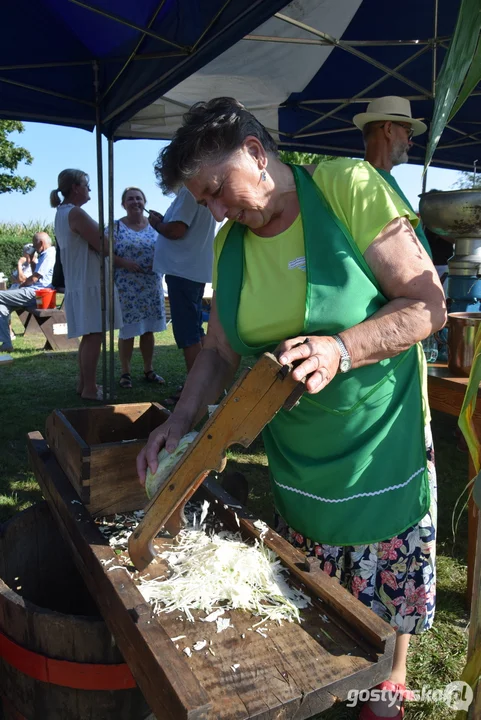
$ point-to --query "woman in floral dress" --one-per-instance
(139, 288)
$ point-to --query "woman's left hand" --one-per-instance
(318, 359)
(131, 266)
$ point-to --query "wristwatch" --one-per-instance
(345, 363)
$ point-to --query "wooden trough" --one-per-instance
(295, 670)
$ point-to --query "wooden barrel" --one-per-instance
(58, 660)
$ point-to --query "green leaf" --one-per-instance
(454, 69)
(303, 158)
(11, 156)
(386, 600)
(470, 82)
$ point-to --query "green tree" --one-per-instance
(10, 157)
(303, 158)
(468, 181)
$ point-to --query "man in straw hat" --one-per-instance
(388, 128)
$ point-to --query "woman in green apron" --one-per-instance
(323, 266)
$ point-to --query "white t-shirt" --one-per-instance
(192, 256)
(44, 267)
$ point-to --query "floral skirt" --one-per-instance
(396, 578)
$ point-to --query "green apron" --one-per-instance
(419, 229)
(348, 465)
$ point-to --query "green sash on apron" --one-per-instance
(348, 465)
(390, 179)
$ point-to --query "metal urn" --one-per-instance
(457, 214)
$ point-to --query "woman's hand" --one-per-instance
(317, 357)
(167, 435)
(131, 265)
(155, 219)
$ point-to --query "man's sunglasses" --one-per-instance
(407, 128)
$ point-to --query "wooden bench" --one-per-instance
(52, 324)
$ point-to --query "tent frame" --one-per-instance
(312, 130)
(100, 95)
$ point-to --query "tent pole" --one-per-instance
(111, 264)
(425, 179)
(98, 136)
(433, 86)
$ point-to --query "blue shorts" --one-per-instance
(185, 297)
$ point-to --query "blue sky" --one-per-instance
(55, 147)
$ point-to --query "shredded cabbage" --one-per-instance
(166, 463)
(212, 570)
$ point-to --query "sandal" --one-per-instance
(125, 381)
(395, 688)
(174, 398)
(152, 377)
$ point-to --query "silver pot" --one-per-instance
(456, 213)
(462, 332)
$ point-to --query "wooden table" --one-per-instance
(446, 394)
(291, 672)
(51, 324)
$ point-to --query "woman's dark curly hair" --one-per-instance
(211, 131)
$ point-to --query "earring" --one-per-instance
(263, 176)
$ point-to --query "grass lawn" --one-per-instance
(37, 382)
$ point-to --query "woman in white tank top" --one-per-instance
(78, 237)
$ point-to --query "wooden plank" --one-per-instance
(29, 322)
(71, 451)
(53, 340)
(48, 312)
(446, 394)
(364, 625)
(115, 423)
(162, 674)
(251, 403)
(114, 487)
(293, 673)
(41, 322)
(110, 438)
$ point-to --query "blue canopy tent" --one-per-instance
(384, 51)
(332, 57)
(94, 63)
(97, 62)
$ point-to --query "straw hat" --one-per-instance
(391, 108)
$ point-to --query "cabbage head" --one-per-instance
(166, 463)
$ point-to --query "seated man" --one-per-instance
(24, 295)
(25, 266)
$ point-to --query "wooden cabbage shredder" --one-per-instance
(251, 403)
(294, 670)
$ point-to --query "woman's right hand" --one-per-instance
(167, 435)
(155, 218)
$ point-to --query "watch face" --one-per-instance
(345, 365)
